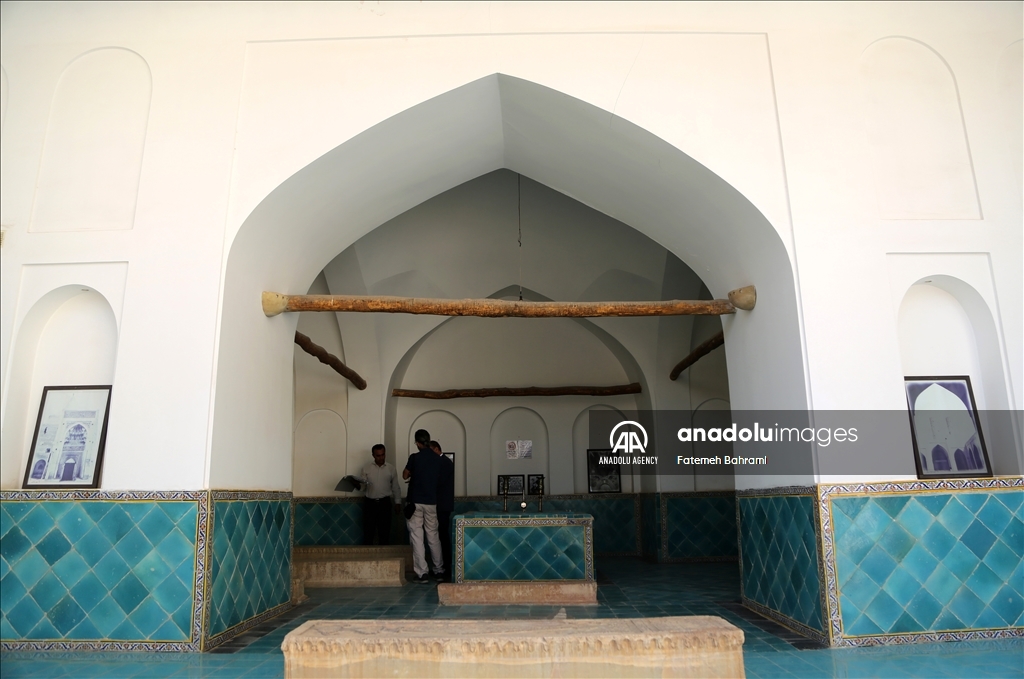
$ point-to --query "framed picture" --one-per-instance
(450, 456)
(513, 482)
(71, 431)
(535, 484)
(945, 428)
(602, 478)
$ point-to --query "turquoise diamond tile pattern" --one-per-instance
(650, 507)
(929, 562)
(615, 521)
(251, 569)
(97, 570)
(701, 527)
(329, 523)
(780, 557)
(521, 549)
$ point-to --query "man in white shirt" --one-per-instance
(383, 495)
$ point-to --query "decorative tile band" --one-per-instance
(923, 561)
(103, 570)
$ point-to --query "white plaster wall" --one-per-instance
(769, 97)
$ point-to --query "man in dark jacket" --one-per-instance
(423, 467)
(445, 506)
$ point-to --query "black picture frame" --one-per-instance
(514, 483)
(947, 435)
(535, 484)
(450, 456)
(69, 438)
(602, 478)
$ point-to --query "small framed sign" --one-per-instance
(945, 428)
(535, 484)
(602, 477)
(71, 432)
(512, 482)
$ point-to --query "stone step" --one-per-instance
(693, 646)
(350, 572)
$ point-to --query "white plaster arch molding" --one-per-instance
(320, 456)
(573, 147)
(68, 337)
(946, 328)
(518, 424)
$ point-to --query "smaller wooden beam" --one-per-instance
(702, 350)
(326, 358)
(617, 390)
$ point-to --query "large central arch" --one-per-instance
(496, 122)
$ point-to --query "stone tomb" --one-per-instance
(349, 566)
(692, 646)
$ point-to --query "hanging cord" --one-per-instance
(519, 191)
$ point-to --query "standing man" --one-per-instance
(445, 506)
(423, 467)
(382, 494)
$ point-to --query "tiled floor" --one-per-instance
(626, 588)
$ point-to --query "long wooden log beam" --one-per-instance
(702, 350)
(275, 303)
(617, 390)
(326, 358)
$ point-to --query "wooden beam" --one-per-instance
(326, 358)
(702, 350)
(617, 390)
(275, 303)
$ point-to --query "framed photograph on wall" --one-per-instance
(513, 482)
(945, 428)
(535, 484)
(602, 477)
(71, 432)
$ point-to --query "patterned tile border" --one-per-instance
(663, 509)
(199, 585)
(210, 642)
(777, 616)
(825, 493)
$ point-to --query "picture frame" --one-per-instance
(514, 483)
(602, 478)
(69, 438)
(450, 456)
(945, 429)
(535, 484)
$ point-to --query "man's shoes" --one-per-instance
(422, 579)
(440, 577)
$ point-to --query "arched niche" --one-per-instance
(581, 443)
(95, 137)
(946, 328)
(320, 456)
(318, 386)
(448, 430)
(68, 337)
(923, 167)
(566, 144)
(518, 424)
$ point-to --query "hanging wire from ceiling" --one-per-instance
(519, 192)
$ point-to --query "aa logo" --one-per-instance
(628, 440)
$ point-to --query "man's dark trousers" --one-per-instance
(377, 521)
(444, 532)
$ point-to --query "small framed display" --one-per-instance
(535, 484)
(450, 456)
(512, 482)
(71, 431)
(945, 428)
(602, 477)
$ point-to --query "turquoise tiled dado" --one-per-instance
(329, 523)
(498, 546)
(929, 562)
(650, 509)
(701, 526)
(97, 570)
(251, 560)
(779, 556)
